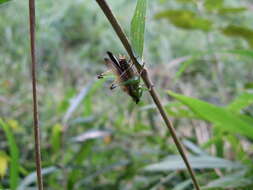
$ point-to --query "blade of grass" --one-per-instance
(76, 102)
(242, 52)
(31, 178)
(173, 162)
(138, 27)
(14, 153)
(236, 180)
(241, 102)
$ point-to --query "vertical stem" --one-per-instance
(34, 91)
(145, 76)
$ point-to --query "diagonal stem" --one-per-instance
(145, 76)
(34, 91)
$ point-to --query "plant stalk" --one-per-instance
(34, 91)
(145, 77)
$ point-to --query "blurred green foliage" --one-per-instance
(238, 31)
(186, 19)
(94, 138)
(3, 1)
(212, 5)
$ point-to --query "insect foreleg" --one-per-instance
(113, 85)
(106, 73)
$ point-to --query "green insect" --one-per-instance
(126, 76)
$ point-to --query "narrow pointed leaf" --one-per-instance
(32, 177)
(243, 101)
(240, 32)
(241, 52)
(76, 102)
(235, 180)
(138, 27)
(14, 154)
(231, 10)
(174, 162)
(219, 116)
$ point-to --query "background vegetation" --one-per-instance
(199, 53)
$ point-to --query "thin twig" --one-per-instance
(145, 76)
(34, 91)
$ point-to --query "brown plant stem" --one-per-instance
(145, 76)
(34, 91)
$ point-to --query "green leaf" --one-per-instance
(3, 1)
(138, 27)
(219, 116)
(185, 19)
(243, 101)
(32, 177)
(242, 52)
(177, 109)
(175, 162)
(213, 4)
(239, 31)
(194, 148)
(219, 143)
(236, 180)
(14, 153)
(56, 135)
(248, 85)
(231, 10)
(75, 103)
(246, 118)
(183, 185)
